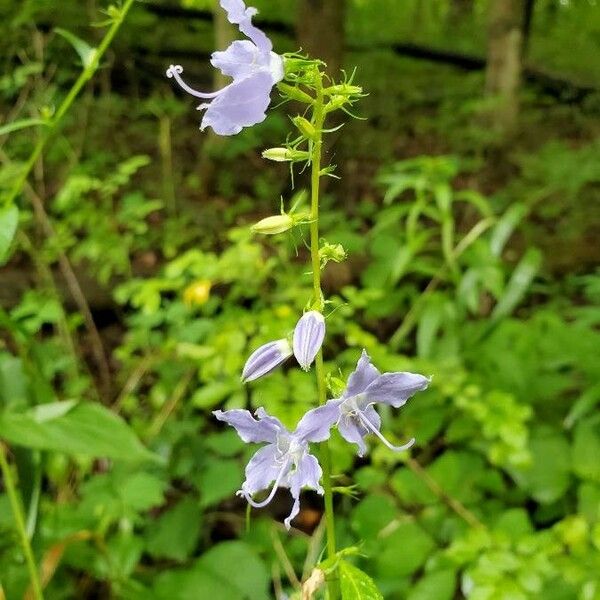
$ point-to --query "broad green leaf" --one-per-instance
(220, 479)
(518, 284)
(356, 584)
(547, 479)
(89, 429)
(20, 124)
(372, 514)
(439, 585)
(175, 533)
(586, 450)
(84, 50)
(239, 565)
(9, 219)
(403, 551)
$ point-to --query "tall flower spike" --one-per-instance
(357, 416)
(285, 461)
(309, 334)
(252, 65)
(266, 358)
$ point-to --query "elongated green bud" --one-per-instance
(273, 225)
(285, 155)
(305, 127)
(343, 89)
(295, 93)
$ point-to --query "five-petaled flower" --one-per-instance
(252, 65)
(357, 416)
(285, 461)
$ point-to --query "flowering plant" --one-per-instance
(286, 460)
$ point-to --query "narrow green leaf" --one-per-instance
(505, 227)
(87, 428)
(20, 124)
(518, 284)
(9, 219)
(85, 51)
(583, 405)
(356, 584)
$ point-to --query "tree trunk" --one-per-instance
(320, 31)
(504, 62)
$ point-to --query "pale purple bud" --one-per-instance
(308, 337)
(266, 358)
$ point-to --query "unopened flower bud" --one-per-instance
(285, 154)
(308, 338)
(344, 89)
(266, 358)
(274, 224)
(295, 93)
(336, 102)
(306, 128)
(331, 252)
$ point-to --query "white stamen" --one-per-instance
(175, 71)
(376, 431)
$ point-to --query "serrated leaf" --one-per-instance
(9, 219)
(84, 50)
(89, 429)
(356, 584)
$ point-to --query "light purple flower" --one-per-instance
(252, 65)
(285, 461)
(367, 386)
(308, 338)
(266, 358)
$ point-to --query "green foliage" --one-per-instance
(481, 267)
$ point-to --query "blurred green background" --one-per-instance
(133, 291)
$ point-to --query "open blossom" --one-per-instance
(366, 387)
(252, 65)
(285, 461)
(308, 337)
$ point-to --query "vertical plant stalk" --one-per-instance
(53, 125)
(318, 119)
(15, 504)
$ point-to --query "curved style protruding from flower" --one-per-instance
(266, 358)
(285, 461)
(309, 334)
(357, 416)
(252, 65)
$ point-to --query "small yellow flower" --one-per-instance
(197, 293)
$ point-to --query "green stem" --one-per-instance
(325, 455)
(53, 125)
(15, 504)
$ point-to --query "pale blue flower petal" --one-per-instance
(307, 474)
(395, 388)
(248, 428)
(316, 424)
(261, 470)
(239, 15)
(353, 431)
(309, 334)
(266, 358)
(241, 104)
(364, 374)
